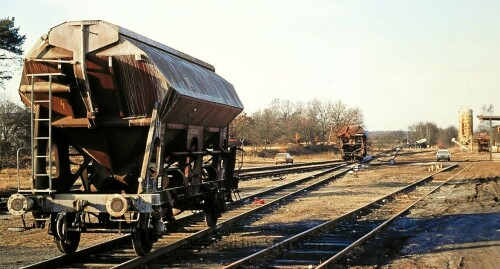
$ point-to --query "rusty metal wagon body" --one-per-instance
(126, 131)
(483, 142)
(353, 142)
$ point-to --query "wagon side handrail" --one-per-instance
(152, 135)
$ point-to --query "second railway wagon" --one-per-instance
(126, 133)
(353, 142)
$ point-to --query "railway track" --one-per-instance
(119, 253)
(324, 244)
(278, 170)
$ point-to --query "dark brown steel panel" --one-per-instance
(139, 84)
(192, 80)
(59, 104)
(102, 85)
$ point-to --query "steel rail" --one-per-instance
(276, 167)
(364, 238)
(368, 208)
(287, 170)
(162, 249)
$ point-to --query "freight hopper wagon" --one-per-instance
(126, 133)
(353, 142)
(483, 142)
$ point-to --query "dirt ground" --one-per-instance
(456, 227)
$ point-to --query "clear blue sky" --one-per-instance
(399, 61)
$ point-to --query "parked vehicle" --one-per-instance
(443, 154)
(283, 158)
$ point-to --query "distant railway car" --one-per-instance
(126, 133)
(421, 143)
(353, 142)
(483, 142)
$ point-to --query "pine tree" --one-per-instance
(10, 49)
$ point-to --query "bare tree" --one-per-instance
(14, 131)
(241, 128)
(287, 119)
(428, 130)
(342, 116)
(284, 121)
(445, 136)
(312, 125)
(266, 127)
(484, 126)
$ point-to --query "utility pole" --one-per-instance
(491, 141)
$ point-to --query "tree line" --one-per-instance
(436, 136)
(284, 121)
(319, 121)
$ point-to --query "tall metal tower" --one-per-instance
(465, 129)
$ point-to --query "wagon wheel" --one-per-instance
(211, 210)
(66, 241)
(221, 204)
(142, 236)
(70, 244)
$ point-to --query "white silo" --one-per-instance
(465, 128)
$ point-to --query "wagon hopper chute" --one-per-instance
(126, 132)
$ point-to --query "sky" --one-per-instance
(400, 62)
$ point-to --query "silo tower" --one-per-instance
(465, 128)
